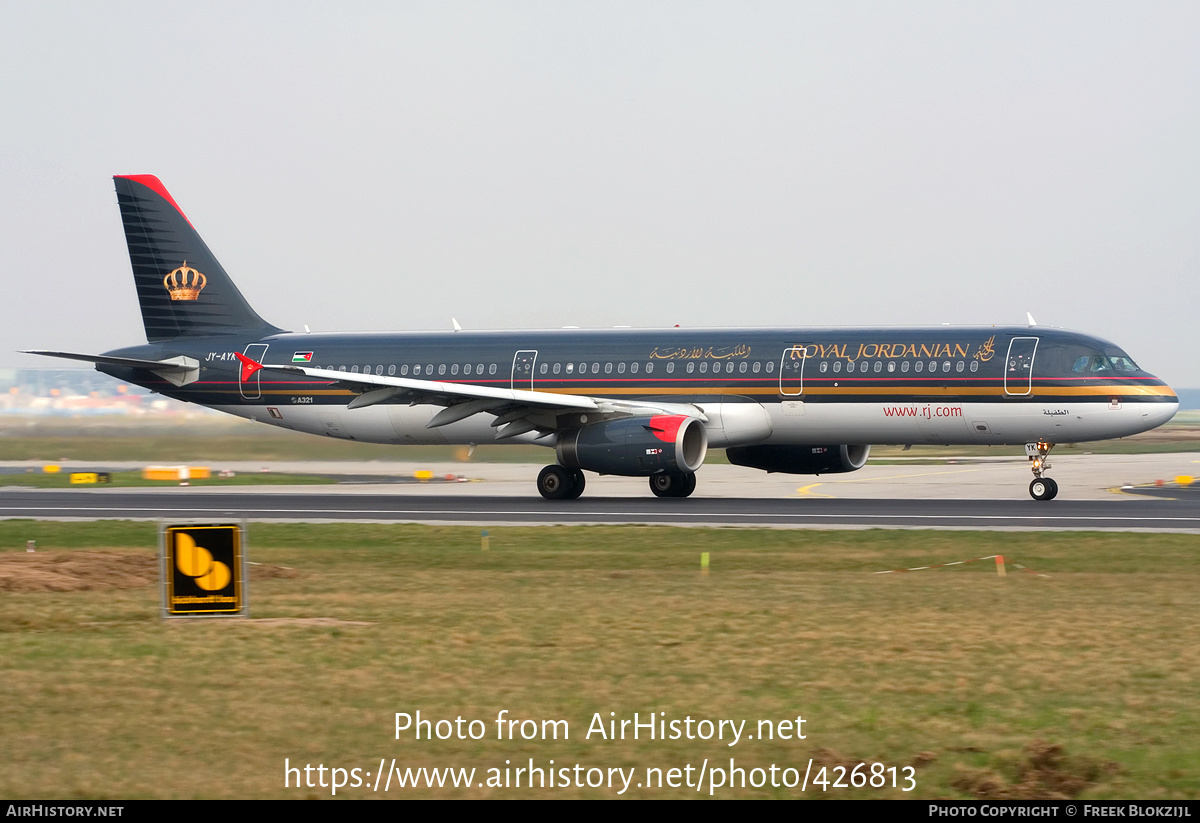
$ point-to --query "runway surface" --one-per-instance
(1142, 513)
(982, 494)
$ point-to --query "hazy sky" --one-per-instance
(537, 164)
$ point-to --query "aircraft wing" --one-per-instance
(517, 411)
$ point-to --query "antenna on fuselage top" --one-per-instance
(1029, 317)
(456, 326)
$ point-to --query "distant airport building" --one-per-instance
(72, 392)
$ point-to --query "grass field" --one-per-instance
(1075, 676)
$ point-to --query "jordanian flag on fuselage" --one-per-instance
(302, 357)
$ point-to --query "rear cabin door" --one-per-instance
(252, 389)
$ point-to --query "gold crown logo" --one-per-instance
(185, 283)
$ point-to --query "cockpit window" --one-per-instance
(1103, 363)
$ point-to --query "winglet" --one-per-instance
(249, 367)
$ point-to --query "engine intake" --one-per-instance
(801, 459)
(636, 446)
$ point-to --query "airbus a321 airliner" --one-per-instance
(639, 403)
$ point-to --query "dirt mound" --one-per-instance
(76, 571)
(1044, 772)
(93, 571)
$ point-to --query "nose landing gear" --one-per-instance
(1042, 487)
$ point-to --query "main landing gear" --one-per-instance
(560, 483)
(673, 485)
(1042, 487)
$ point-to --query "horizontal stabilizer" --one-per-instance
(176, 370)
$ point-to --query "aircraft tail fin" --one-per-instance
(181, 287)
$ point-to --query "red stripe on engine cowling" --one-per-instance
(155, 185)
(666, 427)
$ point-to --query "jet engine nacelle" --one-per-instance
(636, 446)
(801, 459)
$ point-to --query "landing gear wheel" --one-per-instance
(663, 485)
(1043, 488)
(577, 484)
(556, 483)
(673, 485)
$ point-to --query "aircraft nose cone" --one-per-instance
(1162, 413)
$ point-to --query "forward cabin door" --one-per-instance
(252, 389)
(1018, 370)
(522, 369)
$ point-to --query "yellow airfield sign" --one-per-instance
(203, 570)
